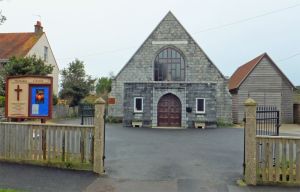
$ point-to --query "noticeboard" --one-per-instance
(39, 101)
(29, 97)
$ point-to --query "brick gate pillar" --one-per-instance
(99, 136)
(250, 142)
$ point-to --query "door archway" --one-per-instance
(169, 111)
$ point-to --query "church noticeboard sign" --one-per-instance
(29, 97)
(39, 100)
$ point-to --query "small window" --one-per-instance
(138, 104)
(45, 53)
(200, 105)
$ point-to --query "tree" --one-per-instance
(103, 85)
(31, 65)
(2, 18)
(75, 83)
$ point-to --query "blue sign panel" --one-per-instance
(39, 101)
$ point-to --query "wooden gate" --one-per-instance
(267, 124)
(267, 120)
(169, 111)
(87, 114)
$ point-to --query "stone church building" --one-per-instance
(170, 82)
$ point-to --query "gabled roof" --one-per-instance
(244, 71)
(17, 44)
(169, 16)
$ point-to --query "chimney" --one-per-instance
(38, 29)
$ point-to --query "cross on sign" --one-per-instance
(18, 90)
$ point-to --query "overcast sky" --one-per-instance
(106, 33)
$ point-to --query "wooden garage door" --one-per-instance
(267, 98)
(169, 111)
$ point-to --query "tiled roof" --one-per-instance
(242, 72)
(17, 44)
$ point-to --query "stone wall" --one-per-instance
(198, 67)
(132, 90)
(186, 92)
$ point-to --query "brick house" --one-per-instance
(170, 82)
(263, 81)
(26, 44)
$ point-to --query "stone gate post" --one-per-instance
(99, 136)
(250, 142)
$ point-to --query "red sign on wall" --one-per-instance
(111, 100)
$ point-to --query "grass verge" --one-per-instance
(9, 190)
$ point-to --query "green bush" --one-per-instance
(223, 123)
(2, 101)
(54, 99)
(8, 190)
(111, 119)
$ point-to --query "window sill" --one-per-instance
(200, 113)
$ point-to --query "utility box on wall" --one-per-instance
(29, 97)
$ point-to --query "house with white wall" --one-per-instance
(27, 44)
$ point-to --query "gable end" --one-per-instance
(169, 41)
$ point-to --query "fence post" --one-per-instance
(99, 137)
(250, 142)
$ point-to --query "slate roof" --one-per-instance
(243, 71)
(17, 44)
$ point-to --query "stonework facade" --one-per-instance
(192, 76)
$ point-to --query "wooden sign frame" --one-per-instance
(27, 84)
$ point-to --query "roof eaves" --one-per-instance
(248, 73)
(280, 71)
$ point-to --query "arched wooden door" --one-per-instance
(169, 111)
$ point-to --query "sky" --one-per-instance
(106, 33)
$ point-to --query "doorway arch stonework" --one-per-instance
(158, 93)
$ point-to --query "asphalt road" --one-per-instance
(29, 178)
(154, 160)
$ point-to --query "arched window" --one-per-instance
(169, 66)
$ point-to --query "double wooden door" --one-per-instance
(169, 111)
